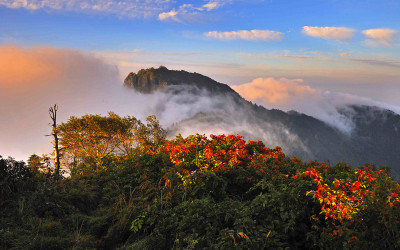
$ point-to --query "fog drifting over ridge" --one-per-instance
(293, 94)
(33, 79)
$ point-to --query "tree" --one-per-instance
(54, 133)
(35, 163)
(149, 136)
(14, 176)
(90, 137)
(40, 164)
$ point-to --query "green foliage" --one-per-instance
(197, 193)
(14, 176)
(137, 224)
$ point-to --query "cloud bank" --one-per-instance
(287, 94)
(329, 33)
(24, 68)
(274, 91)
(249, 35)
(33, 79)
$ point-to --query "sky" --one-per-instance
(288, 50)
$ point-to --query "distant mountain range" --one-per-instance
(374, 139)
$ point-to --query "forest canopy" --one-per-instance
(130, 188)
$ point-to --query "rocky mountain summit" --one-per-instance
(149, 80)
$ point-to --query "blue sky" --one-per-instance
(189, 35)
(287, 54)
(102, 29)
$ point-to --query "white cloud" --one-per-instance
(168, 15)
(329, 33)
(211, 5)
(249, 35)
(122, 8)
(383, 36)
(188, 11)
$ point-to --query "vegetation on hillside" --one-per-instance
(130, 188)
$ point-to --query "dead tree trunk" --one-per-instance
(53, 116)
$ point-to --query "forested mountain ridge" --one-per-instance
(374, 138)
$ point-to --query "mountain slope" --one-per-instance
(375, 138)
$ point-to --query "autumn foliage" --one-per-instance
(347, 199)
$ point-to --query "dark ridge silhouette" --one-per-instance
(149, 80)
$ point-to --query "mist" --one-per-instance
(294, 94)
(34, 79)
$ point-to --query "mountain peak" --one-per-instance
(150, 80)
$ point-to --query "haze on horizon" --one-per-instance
(281, 54)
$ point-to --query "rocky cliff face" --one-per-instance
(149, 80)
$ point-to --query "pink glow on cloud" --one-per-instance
(334, 33)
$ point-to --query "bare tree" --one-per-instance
(53, 116)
